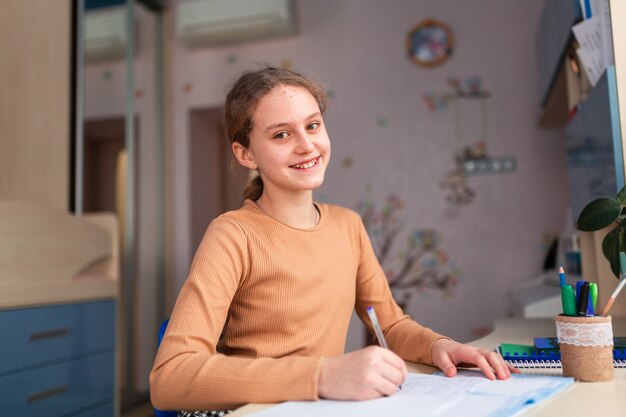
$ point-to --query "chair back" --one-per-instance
(160, 413)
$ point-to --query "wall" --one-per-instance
(34, 103)
(385, 140)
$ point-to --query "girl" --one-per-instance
(264, 313)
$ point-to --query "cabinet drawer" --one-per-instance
(39, 335)
(58, 389)
(104, 410)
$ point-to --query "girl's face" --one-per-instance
(288, 142)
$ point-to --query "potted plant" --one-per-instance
(604, 212)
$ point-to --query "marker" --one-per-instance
(590, 309)
(568, 299)
(579, 285)
(583, 299)
(593, 290)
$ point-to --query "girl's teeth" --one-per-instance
(307, 165)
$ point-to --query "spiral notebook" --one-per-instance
(530, 359)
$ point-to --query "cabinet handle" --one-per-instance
(49, 334)
(42, 395)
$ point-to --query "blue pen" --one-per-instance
(590, 307)
(579, 285)
(562, 280)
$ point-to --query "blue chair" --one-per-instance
(159, 413)
(162, 331)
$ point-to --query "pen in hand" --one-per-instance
(379, 332)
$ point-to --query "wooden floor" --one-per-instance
(144, 410)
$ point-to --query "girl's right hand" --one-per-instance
(364, 374)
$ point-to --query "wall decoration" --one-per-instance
(472, 158)
(481, 331)
(459, 192)
(286, 64)
(430, 43)
(347, 162)
(231, 58)
(471, 88)
(413, 261)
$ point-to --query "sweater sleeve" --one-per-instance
(188, 372)
(410, 340)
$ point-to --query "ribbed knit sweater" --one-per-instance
(265, 302)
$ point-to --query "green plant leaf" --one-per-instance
(621, 196)
(599, 214)
(610, 248)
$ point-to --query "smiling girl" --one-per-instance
(264, 313)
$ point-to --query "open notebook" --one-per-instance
(467, 394)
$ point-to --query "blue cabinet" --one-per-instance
(594, 145)
(58, 360)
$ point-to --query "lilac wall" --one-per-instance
(379, 121)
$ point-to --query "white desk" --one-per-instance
(607, 399)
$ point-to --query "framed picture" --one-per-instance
(430, 43)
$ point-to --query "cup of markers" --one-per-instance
(579, 302)
(585, 339)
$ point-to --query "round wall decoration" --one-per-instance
(430, 43)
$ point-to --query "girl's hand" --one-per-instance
(361, 375)
(447, 354)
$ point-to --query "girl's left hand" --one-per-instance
(447, 354)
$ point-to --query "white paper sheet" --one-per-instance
(602, 10)
(469, 393)
(591, 52)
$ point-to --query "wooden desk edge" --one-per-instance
(514, 330)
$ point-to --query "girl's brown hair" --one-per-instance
(244, 96)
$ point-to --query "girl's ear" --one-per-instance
(243, 155)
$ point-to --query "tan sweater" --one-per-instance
(265, 302)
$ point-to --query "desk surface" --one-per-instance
(582, 400)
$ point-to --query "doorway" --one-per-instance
(217, 181)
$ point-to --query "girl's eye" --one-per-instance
(281, 135)
(313, 126)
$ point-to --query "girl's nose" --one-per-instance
(305, 143)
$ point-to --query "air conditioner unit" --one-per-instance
(220, 22)
(105, 34)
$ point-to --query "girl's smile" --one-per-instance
(307, 165)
